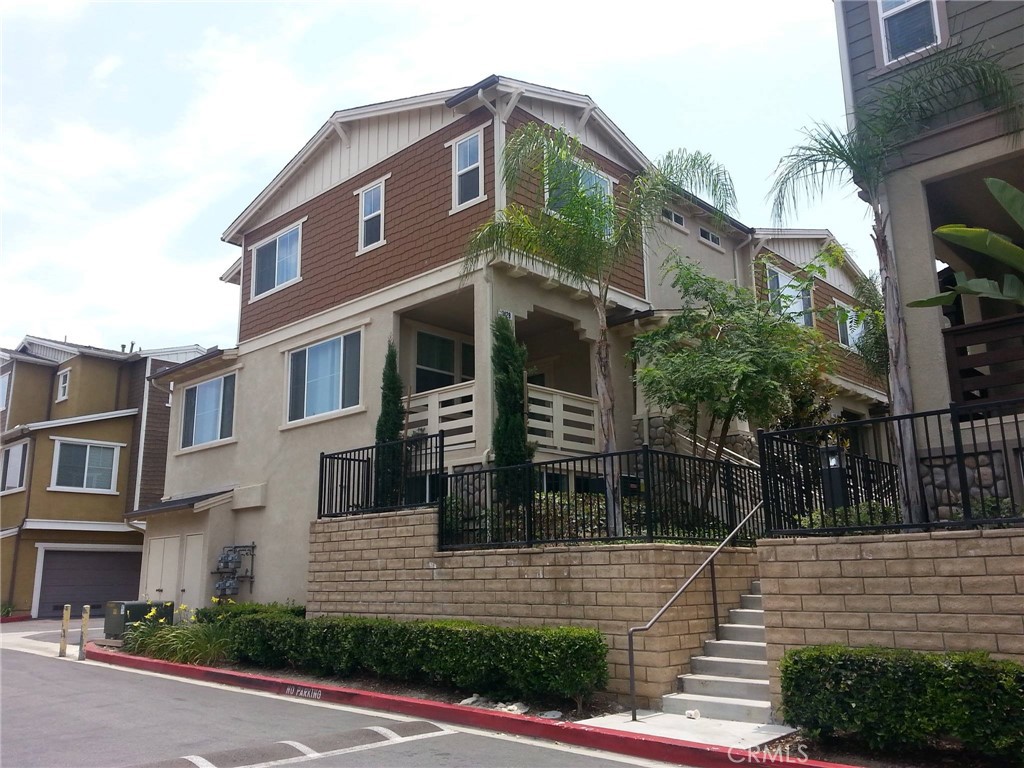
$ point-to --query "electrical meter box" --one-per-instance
(122, 613)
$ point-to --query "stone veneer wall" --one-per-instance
(937, 591)
(388, 564)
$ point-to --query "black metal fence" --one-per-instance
(639, 495)
(961, 466)
(400, 475)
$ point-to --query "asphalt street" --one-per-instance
(60, 712)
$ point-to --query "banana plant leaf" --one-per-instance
(1012, 291)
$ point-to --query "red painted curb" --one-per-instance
(12, 619)
(637, 745)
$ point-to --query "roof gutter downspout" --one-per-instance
(736, 259)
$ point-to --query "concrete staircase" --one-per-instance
(730, 681)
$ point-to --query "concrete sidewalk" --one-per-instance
(655, 736)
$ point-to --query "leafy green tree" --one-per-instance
(726, 355)
(592, 235)
(863, 157)
(869, 316)
(508, 360)
(389, 454)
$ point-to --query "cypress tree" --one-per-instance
(388, 458)
(508, 361)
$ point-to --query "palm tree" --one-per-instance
(862, 157)
(579, 231)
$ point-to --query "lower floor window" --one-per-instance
(324, 377)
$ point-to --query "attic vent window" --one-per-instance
(711, 237)
(673, 218)
(907, 26)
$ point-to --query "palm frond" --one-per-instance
(700, 174)
(827, 157)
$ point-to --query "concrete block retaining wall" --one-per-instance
(937, 591)
(388, 564)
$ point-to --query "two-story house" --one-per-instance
(84, 436)
(964, 353)
(358, 240)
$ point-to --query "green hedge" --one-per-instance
(229, 610)
(898, 699)
(523, 662)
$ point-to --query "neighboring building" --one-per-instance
(359, 239)
(938, 178)
(84, 438)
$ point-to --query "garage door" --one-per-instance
(87, 578)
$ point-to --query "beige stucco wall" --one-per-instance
(388, 564)
(937, 591)
(667, 241)
(914, 250)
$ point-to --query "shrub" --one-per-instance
(899, 699)
(533, 662)
(228, 610)
(185, 643)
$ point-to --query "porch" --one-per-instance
(442, 348)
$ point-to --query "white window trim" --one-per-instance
(672, 222)
(792, 316)
(710, 243)
(360, 406)
(112, 491)
(24, 467)
(63, 381)
(383, 212)
(47, 547)
(5, 377)
(458, 338)
(454, 146)
(252, 261)
(234, 413)
(849, 331)
(882, 15)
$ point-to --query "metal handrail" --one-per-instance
(671, 600)
(704, 443)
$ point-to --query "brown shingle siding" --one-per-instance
(419, 232)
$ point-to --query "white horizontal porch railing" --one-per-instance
(449, 408)
(561, 421)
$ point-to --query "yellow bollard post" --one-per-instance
(85, 632)
(64, 622)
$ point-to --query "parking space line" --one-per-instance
(309, 752)
(199, 762)
(345, 751)
(387, 733)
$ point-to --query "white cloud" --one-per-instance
(105, 67)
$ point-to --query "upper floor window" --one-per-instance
(710, 237)
(63, 384)
(673, 217)
(907, 26)
(209, 412)
(591, 181)
(324, 377)
(468, 170)
(437, 364)
(5, 381)
(850, 330)
(12, 475)
(792, 299)
(81, 465)
(371, 215)
(275, 261)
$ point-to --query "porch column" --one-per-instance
(483, 313)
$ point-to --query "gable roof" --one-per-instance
(461, 100)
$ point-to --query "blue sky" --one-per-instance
(132, 134)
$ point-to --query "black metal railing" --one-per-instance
(961, 466)
(403, 474)
(639, 495)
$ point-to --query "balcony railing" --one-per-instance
(451, 409)
(561, 421)
(986, 359)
